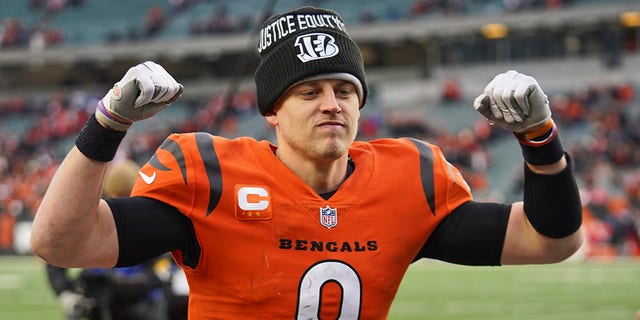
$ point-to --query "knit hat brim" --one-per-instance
(336, 76)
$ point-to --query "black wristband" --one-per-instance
(544, 149)
(97, 142)
(552, 202)
(542, 155)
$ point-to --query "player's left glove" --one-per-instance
(515, 102)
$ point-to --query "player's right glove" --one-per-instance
(145, 90)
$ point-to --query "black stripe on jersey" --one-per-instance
(212, 165)
(177, 153)
(426, 173)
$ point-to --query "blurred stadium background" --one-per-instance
(426, 61)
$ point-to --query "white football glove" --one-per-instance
(144, 90)
(514, 101)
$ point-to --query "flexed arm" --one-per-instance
(74, 227)
(545, 227)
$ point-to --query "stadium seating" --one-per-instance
(102, 22)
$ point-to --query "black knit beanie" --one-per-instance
(303, 43)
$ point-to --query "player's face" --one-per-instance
(318, 119)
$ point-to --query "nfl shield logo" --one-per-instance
(328, 217)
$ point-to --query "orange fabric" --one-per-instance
(7, 225)
(283, 264)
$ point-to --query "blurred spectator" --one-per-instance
(420, 8)
(619, 221)
(54, 6)
(178, 6)
(367, 16)
(451, 90)
(554, 4)
(155, 21)
(7, 223)
(370, 126)
(13, 33)
(36, 4)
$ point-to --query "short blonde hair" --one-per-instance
(120, 178)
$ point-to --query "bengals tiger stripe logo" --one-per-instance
(314, 46)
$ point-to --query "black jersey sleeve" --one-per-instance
(148, 228)
(473, 234)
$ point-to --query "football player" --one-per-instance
(319, 225)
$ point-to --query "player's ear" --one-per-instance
(271, 118)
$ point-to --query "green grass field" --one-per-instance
(431, 290)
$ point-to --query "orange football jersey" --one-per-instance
(272, 248)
